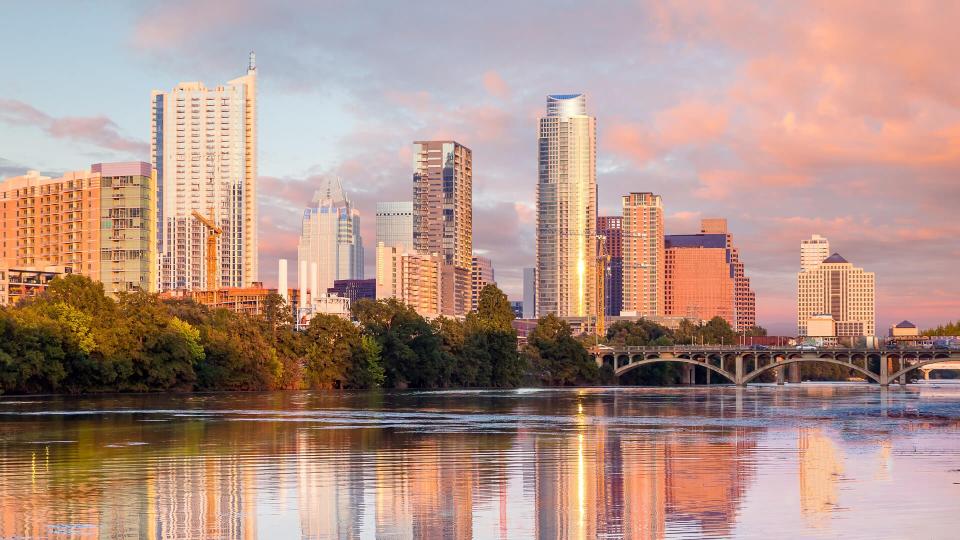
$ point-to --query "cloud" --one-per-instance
(495, 85)
(97, 131)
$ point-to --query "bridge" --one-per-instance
(741, 365)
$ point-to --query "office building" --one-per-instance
(98, 223)
(443, 214)
(395, 223)
(517, 307)
(704, 278)
(813, 252)
(566, 208)
(481, 275)
(745, 299)
(413, 278)
(330, 238)
(643, 254)
(529, 293)
(610, 230)
(204, 148)
(355, 289)
(835, 287)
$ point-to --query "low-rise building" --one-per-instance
(19, 283)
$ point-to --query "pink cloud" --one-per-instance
(98, 131)
(495, 85)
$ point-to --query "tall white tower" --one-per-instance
(566, 208)
(204, 147)
(813, 252)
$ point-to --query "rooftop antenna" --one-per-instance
(253, 62)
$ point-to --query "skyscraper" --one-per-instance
(481, 275)
(98, 223)
(813, 252)
(610, 228)
(745, 299)
(566, 208)
(395, 223)
(643, 254)
(835, 287)
(413, 278)
(330, 238)
(204, 148)
(443, 214)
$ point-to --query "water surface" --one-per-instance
(807, 461)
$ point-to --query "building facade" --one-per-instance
(204, 148)
(98, 223)
(443, 214)
(355, 289)
(704, 277)
(395, 223)
(17, 284)
(813, 251)
(610, 230)
(529, 293)
(330, 238)
(413, 278)
(643, 254)
(566, 208)
(835, 287)
(481, 275)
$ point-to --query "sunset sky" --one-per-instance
(840, 118)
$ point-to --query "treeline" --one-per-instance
(75, 339)
(949, 329)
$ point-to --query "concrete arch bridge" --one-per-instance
(741, 365)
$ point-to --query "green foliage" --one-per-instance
(556, 357)
(949, 329)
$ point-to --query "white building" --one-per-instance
(395, 223)
(330, 239)
(838, 289)
(813, 252)
(567, 208)
(204, 148)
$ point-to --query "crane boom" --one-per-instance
(212, 233)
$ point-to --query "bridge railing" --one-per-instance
(602, 349)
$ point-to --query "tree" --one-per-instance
(366, 370)
(556, 358)
(330, 345)
(491, 341)
(238, 355)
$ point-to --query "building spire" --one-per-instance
(253, 62)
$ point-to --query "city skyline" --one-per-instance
(835, 157)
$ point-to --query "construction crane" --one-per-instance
(602, 260)
(213, 232)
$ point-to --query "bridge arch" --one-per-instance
(654, 360)
(925, 360)
(793, 359)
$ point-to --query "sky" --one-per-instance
(838, 117)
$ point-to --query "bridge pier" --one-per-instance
(779, 372)
(688, 374)
(884, 371)
(738, 372)
(793, 373)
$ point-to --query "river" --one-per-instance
(801, 461)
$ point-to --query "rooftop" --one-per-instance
(835, 258)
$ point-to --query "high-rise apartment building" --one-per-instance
(813, 252)
(204, 148)
(330, 238)
(704, 278)
(481, 275)
(566, 208)
(837, 288)
(395, 223)
(643, 254)
(98, 223)
(529, 293)
(443, 214)
(413, 278)
(610, 229)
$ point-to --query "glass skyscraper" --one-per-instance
(567, 208)
(330, 239)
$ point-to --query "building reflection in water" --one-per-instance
(821, 466)
(576, 467)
